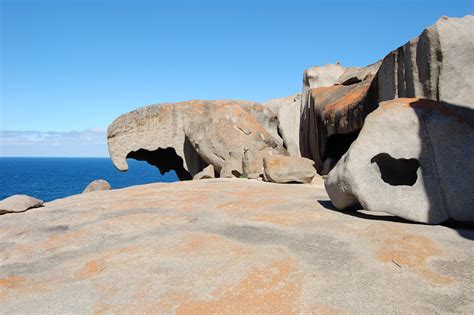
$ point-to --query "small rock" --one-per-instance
(97, 185)
(285, 169)
(206, 173)
(19, 203)
(232, 166)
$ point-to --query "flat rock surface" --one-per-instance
(228, 246)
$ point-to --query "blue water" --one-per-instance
(52, 178)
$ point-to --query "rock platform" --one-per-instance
(228, 246)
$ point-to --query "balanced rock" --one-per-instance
(285, 169)
(188, 136)
(19, 203)
(206, 173)
(97, 185)
(412, 159)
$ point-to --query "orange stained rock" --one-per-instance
(412, 252)
(11, 282)
(273, 289)
(90, 269)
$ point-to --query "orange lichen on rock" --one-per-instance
(90, 269)
(413, 252)
(273, 289)
(409, 251)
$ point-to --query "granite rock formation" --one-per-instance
(19, 203)
(287, 110)
(96, 185)
(413, 159)
(333, 107)
(188, 136)
(227, 246)
(435, 65)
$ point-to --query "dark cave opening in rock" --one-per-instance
(397, 172)
(338, 144)
(164, 159)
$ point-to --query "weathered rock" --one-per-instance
(287, 110)
(358, 74)
(227, 246)
(413, 159)
(435, 65)
(284, 169)
(225, 130)
(207, 173)
(344, 92)
(96, 185)
(161, 134)
(333, 117)
(322, 76)
(232, 167)
(252, 162)
(19, 203)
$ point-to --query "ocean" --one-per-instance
(53, 178)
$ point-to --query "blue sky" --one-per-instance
(71, 67)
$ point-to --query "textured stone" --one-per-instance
(19, 203)
(228, 129)
(435, 65)
(227, 247)
(232, 166)
(332, 118)
(96, 185)
(161, 134)
(413, 159)
(207, 173)
(358, 74)
(253, 161)
(284, 169)
(287, 110)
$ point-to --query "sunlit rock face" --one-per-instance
(435, 65)
(188, 136)
(412, 159)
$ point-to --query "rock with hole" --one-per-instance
(412, 159)
(232, 167)
(188, 136)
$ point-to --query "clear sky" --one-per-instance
(69, 68)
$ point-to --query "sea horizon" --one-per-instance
(50, 178)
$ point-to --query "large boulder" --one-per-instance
(228, 130)
(335, 115)
(19, 203)
(413, 159)
(97, 185)
(334, 102)
(287, 110)
(288, 169)
(435, 65)
(188, 136)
